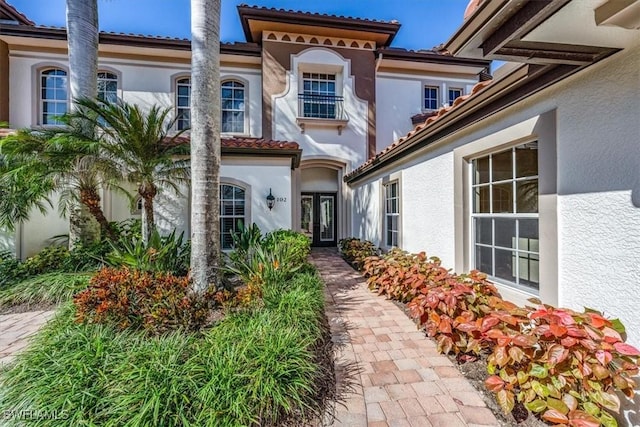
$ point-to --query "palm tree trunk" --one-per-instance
(82, 36)
(205, 143)
(148, 192)
(90, 198)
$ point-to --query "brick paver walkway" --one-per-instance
(15, 329)
(402, 380)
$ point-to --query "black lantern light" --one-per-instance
(271, 201)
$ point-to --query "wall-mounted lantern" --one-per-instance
(271, 201)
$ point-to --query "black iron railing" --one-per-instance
(320, 106)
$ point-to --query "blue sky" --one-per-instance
(425, 23)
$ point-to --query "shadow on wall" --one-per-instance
(171, 211)
(147, 99)
(366, 216)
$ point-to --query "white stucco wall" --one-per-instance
(323, 141)
(589, 203)
(428, 204)
(400, 96)
(140, 82)
(367, 214)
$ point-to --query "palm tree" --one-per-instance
(82, 41)
(66, 161)
(205, 143)
(138, 142)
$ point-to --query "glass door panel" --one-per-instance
(327, 219)
(306, 220)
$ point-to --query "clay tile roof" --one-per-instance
(12, 12)
(428, 122)
(421, 117)
(471, 8)
(248, 143)
(315, 14)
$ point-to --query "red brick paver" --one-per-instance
(15, 330)
(402, 378)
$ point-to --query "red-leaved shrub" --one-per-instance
(565, 366)
(131, 299)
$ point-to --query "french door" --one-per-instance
(318, 218)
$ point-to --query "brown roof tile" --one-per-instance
(316, 14)
(442, 112)
(12, 12)
(248, 143)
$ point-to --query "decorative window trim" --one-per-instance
(36, 89)
(248, 220)
(233, 78)
(138, 206)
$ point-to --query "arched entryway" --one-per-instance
(321, 212)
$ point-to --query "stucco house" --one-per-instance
(533, 177)
(305, 100)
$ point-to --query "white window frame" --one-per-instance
(244, 86)
(320, 77)
(247, 204)
(182, 81)
(110, 76)
(514, 215)
(425, 98)
(41, 89)
(386, 199)
(451, 89)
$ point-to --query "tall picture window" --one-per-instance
(53, 95)
(391, 214)
(505, 216)
(233, 107)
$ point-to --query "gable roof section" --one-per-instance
(10, 13)
(255, 19)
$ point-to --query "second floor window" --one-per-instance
(318, 98)
(453, 94)
(233, 107)
(107, 87)
(431, 97)
(53, 95)
(183, 99)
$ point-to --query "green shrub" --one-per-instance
(299, 245)
(10, 271)
(355, 251)
(133, 299)
(255, 367)
(90, 257)
(49, 259)
(167, 254)
(49, 288)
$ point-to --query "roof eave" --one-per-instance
(295, 154)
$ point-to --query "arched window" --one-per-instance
(183, 100)
(107, 87)
(233, 107)
(232, 213)
(53, 95)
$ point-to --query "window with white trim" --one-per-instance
(391, 213)
(453, 94)
(183, 100)
(505, 216)
(431, 97)
(107, 87)
(318, 97)
(53, 95)
(233, 107)
(232, 213)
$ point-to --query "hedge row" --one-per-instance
(565, 366)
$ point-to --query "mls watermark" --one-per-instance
(33, 415)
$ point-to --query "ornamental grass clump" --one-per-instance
(256, 367)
